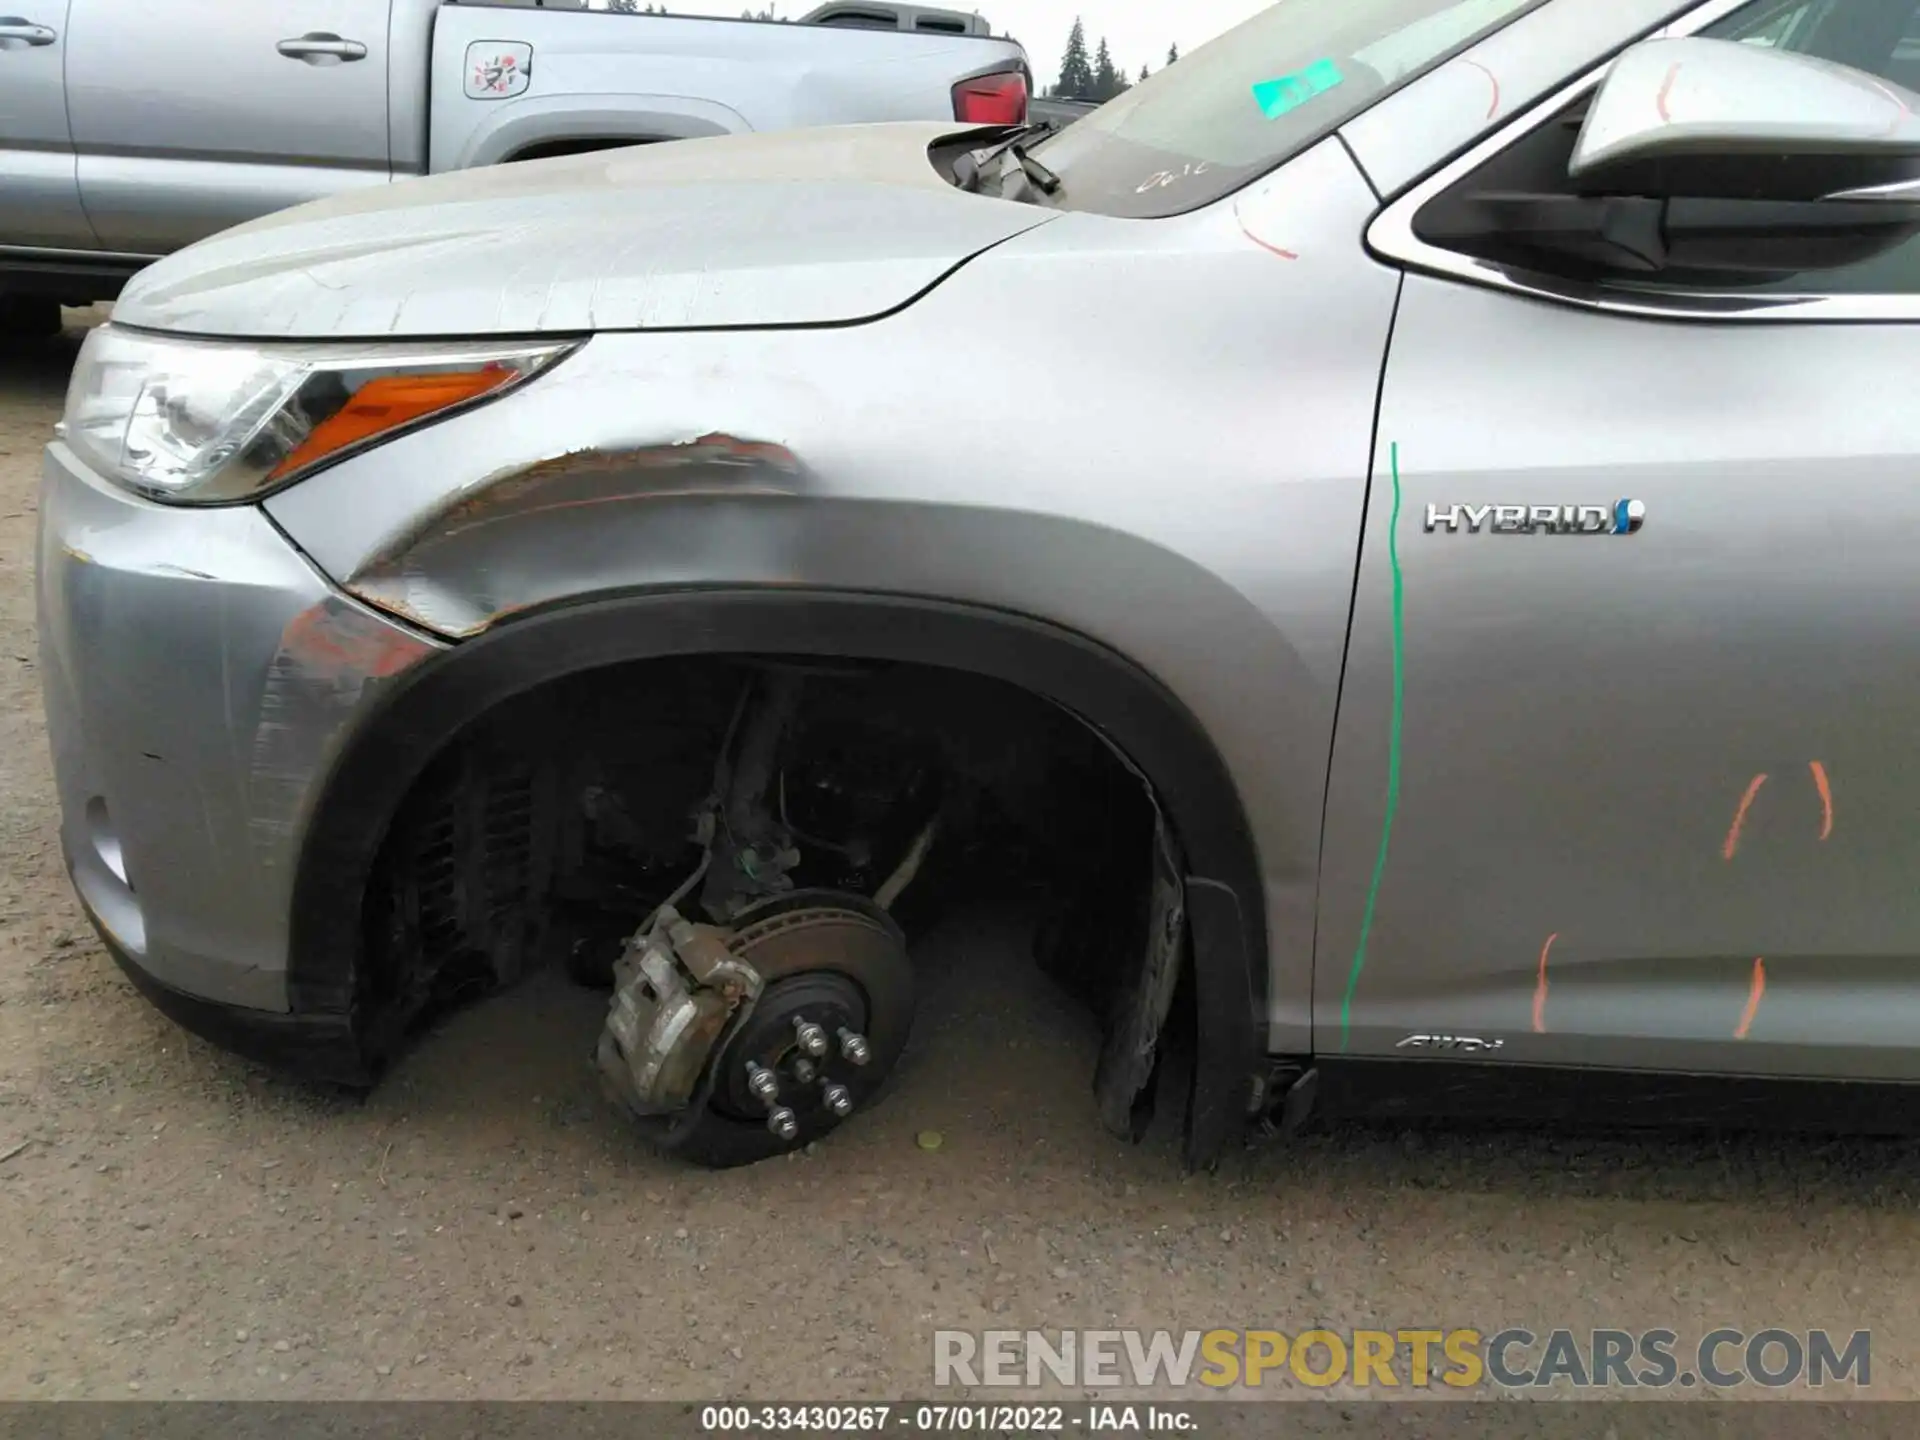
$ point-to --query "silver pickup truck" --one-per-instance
(128, 130)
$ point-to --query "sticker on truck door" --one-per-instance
(497, 69)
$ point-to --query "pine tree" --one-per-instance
(1076, 71)
(1106, 80)
(1144, 72)
(1173, 53)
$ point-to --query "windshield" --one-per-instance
(1238, 106)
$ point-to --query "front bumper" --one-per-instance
(199, 677)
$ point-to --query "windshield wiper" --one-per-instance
(970, 169)
(1043, 179)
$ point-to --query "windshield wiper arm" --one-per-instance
(969, 169)
(1044, 179)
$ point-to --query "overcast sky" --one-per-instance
(1138, 31)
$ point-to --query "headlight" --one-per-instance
(200, 422)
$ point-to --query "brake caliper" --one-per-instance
(677, 988)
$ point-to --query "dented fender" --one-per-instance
(537, 533)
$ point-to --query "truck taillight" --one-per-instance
(992, 99)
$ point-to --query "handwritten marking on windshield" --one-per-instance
(1160, 179)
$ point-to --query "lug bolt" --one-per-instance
(812, 1038)
(784, 1123)
(762, 1083)
(855, 1047)
(839, 1100)
(803, 1069)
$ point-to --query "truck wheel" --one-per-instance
(28, 317)
(836, 961)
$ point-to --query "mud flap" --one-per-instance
(1131, 1051)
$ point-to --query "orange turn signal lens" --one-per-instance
(387, 402)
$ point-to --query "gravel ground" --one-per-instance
(182, 1223)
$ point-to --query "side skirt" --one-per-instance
(1357, 1089)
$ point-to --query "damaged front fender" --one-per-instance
(533, 534)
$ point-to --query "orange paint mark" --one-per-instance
(328, 642)
(1754, 992)
(1271, 249)
(1493, 107)
(1666, 89)
(1540, 988)
(1740, 817)
(1900, 116)
(1826, 797)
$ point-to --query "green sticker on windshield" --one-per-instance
(1276, 97)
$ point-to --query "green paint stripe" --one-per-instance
(1393, 750)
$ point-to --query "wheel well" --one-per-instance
(496, 811)
(578, 145)
(549, 828)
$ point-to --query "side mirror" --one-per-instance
(1713, 159)
(1721, 119)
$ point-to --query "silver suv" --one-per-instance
(1391, 542)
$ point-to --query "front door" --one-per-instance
(1647, 796)
(193, 115)
(39, 191)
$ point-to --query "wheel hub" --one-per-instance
(772, 1042)
(733, 1043)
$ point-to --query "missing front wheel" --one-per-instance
(729, 1044)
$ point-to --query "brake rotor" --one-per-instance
(833, 960)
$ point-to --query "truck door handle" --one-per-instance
(322, 45)
(15, 27)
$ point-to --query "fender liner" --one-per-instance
(1136, 713)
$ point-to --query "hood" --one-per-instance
(803, 227)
